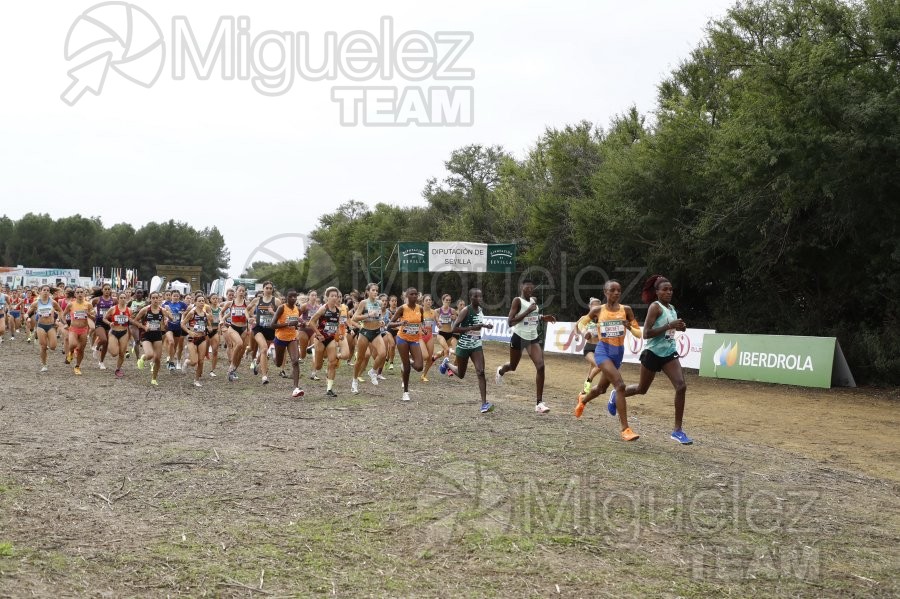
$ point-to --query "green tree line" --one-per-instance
(765, 184)
(37, 240)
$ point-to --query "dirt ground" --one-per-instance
(110, 488)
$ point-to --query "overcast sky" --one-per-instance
(219, 152)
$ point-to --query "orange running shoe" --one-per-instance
(629, 435)
(77, 370)
(579, 409)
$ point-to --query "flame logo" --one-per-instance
(726, 355)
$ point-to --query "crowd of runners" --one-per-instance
(204, 335)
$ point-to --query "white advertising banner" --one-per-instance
(563, 338)
(457, 256)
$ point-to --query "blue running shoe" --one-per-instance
(487, 407)
(445, 364)
(611, 404)
(682, 438)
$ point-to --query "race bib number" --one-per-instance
(331, 328)
(612, 329)
(429, 324)
(238, 311)
(531, 320)
(475, 333)
(79, 315)
(199, 327)
(292, 321)
(444, 319)
(153, 325)
(121, 319)
(265, 320)
(411, 329)
(44, 312)
(374, 314)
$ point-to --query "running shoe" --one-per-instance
(12, 337)
(373, 376)
(232, 376)
(541, 408)
(127, 354)
(170, 366)
(68, 358)
(579, 409)
(499, 378)
(265, 380)
(314, 377)
(154, 383)
(77, 371)
(681, 438)
(487, 407)
(298, 392)
(354, 387)
(629, 435)
(587, 387)
(178, 366)
(119, 373)
(197, 383)
(271, 353)
(405, 396)
(44, 368)
(283, 374)
(254, 367)
(381, 377)
(30, 339)
(445, 365)
(140, 363)
(212, 374)
(330, 393)
(102, 366)
(391, 367)
(424, 379)
(611, 404)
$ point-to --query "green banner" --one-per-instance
(804, 361)
(413, 256)
(501, 257)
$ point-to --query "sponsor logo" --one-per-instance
(726, 355)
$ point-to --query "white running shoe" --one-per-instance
(354, 387)
(373, 376)
(381, 377)
(178, 366)
(314, 376)
(197, 384)
(102, 366)
(212, 374)
(499, 378)
(541, 408)
(405, 396)
(298, 392)
(44, 368)
(265, 380)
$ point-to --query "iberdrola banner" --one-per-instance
(804, 361)
(456, 256)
